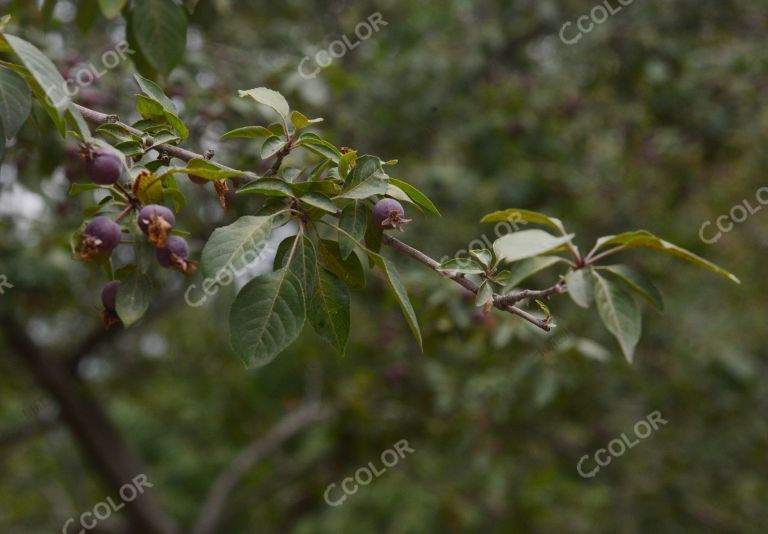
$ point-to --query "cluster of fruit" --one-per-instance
(102, 234)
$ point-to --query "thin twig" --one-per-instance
(96, 117)
(460, 279)
(531, 294)
(212, 508)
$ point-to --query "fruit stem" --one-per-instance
(122, 214)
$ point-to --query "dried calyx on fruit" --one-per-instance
(102, 165)
(156, 222)
(174, 255)
(101, 236)
(388, 213)
(109, 300)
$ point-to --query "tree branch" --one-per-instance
(462, 281)
(531, 294)
(216, 499)
(96, 117)
(91, 427)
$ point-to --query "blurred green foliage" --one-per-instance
(653, 120)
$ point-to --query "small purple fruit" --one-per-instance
(103, 166)
(151, 211)
(157, 222)
(174, 253)
(388, 213)
(102, 235)
(109, 295)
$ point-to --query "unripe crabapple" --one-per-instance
(157, 222)
(102, 235)
(174, 255)
(103, 166)
(109, 295)
(388, 213)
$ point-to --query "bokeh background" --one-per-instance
(654, 120)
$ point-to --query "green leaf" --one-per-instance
(148, 188)
(417, 196)
(157, 106)
(462, 266)
(398, 194)
(619, 312)
(304, 264)
(130, 148)
(327, 187)
(87, 11)
(133, 297)
(354, 219)
(638, 282)
(79, 187)
(155, 92)
(517, 215)
(321, 148)
(346, 162)
(580, 288)
(160, 30)
(526, 244)
(300, 121)
(271, 146)
(328, 310)
(642, 238)
(111, 8)
(269, 98)
(116, 132)
(74, 118)
(2, 142)
(484, 294)
(247, 132)
(320, 201)
(349, 270)
(52, 86)
(484, 256)
(15, 102)
(149, 108)
(303, 260)
(374, 236)
(141, 63)
(205, 169)
(524, 269)
(266, 316)
(393, 278)
(366, 179)
(227, 245)
(266, 186)
(545, 309)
